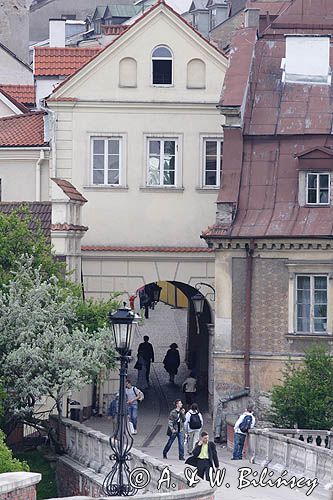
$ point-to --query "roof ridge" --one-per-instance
(25, 115)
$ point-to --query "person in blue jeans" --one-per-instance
(176, 429)
(239, 436)
(132, 395)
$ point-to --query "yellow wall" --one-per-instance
(171, 295)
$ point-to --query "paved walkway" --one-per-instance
(164, 326)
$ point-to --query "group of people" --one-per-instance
(180, 424)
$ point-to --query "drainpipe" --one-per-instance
(247, 347)
(38, 173)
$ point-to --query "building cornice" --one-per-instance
(291, 244)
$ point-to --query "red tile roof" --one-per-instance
(68, 227)
(70, 191)
(106, 248)
(40, 211)
(24, 94)
(61, 61)
(113, 29)
(22, 130)
(16, 103)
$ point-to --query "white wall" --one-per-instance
(18, 176)
(5, 110)
(44, 87)
(12, 71)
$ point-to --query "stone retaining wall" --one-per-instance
(18, 485)
(82, 470)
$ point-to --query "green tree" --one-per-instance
(305, 398)
(17, 239)
(41, 355)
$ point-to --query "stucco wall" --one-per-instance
(18, 176)
(14, 19)
(12, 71)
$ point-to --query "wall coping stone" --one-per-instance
(10, 481)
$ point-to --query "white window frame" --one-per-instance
(177, 152)
(312, 278)
(318, 174)
(204, 139)
(106, 138)
(152, 58)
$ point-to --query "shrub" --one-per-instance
(305, 398)
(7, 462)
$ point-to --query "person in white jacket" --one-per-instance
(242, 426)
(193, 425)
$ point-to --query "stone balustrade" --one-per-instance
(281, 449)
(323, 439)
(82, 469)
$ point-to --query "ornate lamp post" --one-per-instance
(117, 483)
(198, 301)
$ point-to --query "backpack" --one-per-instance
(245, 424)
(195, 421)
(139, 393)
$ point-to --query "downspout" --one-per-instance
(38, 174)
(248, 295)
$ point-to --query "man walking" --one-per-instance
(204, 456)
(176, 429)
(245, 422)
(146, 350)
(133, 395)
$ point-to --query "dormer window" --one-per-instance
(307, 59)
(318, 188)
(162, 66)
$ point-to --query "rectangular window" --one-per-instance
(318, 189)
(162, 162)
(106, 160)
(311, 304)
(213, 153)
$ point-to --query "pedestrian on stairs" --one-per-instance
(193, 425)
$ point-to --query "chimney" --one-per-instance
(251, 18)
(57, 33)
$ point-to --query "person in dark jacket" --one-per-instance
(146, 350)
(176, 429)
(172, 361)
(204, 456)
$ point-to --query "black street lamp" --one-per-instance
(117, 482)
(198, 301)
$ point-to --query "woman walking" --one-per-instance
(172, 361)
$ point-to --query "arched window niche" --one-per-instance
(162, 66)
(127, 72)
(196, 74)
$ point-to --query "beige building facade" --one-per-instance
(146, 213)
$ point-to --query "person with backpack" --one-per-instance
(133, 395)
(193, 425)
(245, 422)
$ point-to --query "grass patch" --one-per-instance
(37, 463)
